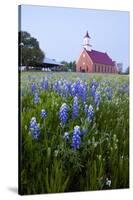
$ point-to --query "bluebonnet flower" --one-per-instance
(93, 90)
(75, 108)
(66, 88)
(76, 139)
(94, 83)
(93, 87)
(108, 92)
(82, 91)
(86, 108)
(97, 99)
(43, 113)
(34, 128)
(73, 90)
(90, 113)
(63, 113)
(36, 98)
(57, 86)
(33, 87)
(44, 84)
(124, 88)
(66, 136)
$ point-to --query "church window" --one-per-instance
(95, 69)
(102, 68)
(83, 55)
(99, 68)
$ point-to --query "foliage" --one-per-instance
(69, 66)
(82, 139)
(127, 70)
(30, 52)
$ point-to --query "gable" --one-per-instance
(81, 57)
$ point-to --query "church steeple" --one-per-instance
(86, 43)
(87, 34)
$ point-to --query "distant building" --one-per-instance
(92, 61)
(50, 64)
(47, 65)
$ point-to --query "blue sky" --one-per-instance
(60, 31)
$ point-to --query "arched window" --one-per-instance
(87, 69)
(80, 69)
(99, 68)
(95, 69)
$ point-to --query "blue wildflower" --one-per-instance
(44, 84)
(66, 88)
(73, 90)
(90, 113)
(97, 99)
(63, 113)
(43, 113)
(36, 98)
(76, 139)
(93, 90)
(93, 87)
(82, 91)
(94, 83)
(34, 128)
(33, 87)
(108, 92)
(75, 108)
(86, 108)
(57, 86)
(124, 88)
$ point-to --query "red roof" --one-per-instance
(100, 57)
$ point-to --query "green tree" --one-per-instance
(69, 66)
(30, 53)
(127, 70)
(74, 66)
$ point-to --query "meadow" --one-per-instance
(74, 132)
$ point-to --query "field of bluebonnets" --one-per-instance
(75, 132)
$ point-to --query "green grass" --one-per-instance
(49, 164)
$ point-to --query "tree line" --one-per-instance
(30, 53)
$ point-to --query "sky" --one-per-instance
(60, 31)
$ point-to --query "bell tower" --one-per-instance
(86, 43)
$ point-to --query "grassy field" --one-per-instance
(74, 132)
